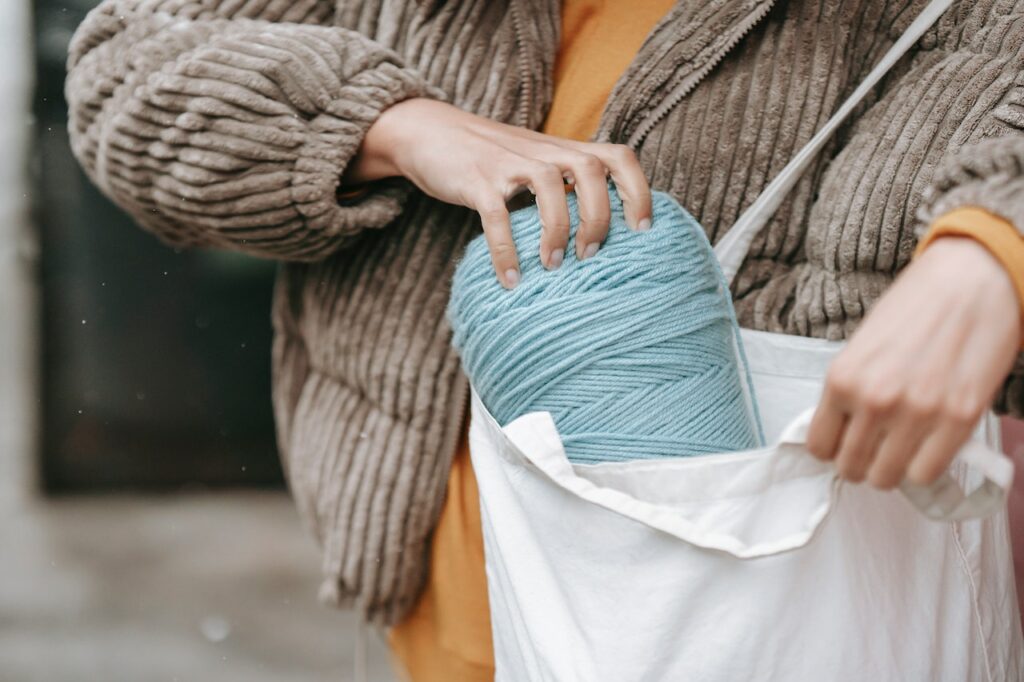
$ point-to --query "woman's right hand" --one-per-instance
(472, 161)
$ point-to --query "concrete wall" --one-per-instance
(18, 296)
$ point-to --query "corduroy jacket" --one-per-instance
(229, 123)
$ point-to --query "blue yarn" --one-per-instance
(631, 351)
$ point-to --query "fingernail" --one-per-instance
(643, 225)
(555, 259)
(590, 251)
(511, 278)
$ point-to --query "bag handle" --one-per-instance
(943, 499)
(732, 248)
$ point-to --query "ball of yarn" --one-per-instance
(633, 351)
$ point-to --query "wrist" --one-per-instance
(974, 263)
(989, 231)
(377, 157)
(979, 274)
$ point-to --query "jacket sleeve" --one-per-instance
(982, 159)
(982, 164)
(216, 125)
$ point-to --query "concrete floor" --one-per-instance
(214, 587)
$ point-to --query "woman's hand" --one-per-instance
(464, 159)
(908, 390)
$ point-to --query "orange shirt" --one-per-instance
(599, 40)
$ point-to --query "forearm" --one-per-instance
(232, 132)
(1005, 244)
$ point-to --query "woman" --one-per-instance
(278, 128)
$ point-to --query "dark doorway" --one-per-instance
(156, 365)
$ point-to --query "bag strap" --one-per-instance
(945, 498)
(732, 249)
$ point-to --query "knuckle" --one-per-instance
(817, 448)
(491, 207)
(925, 473)
(883, 480)
(841, 380)
(503, 251)
(850, 471)
(963, 419)
(622, 153)
(492, 213)
(872, 393)
(594, 224)
(546, 172)
(596, 215)
(588, 164)
(921, 405)
(491, 167)
(885, 472)
(963, 411)
(818, 443)
(555, 232)
(558, 227)
(879, 400)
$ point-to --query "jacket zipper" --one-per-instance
(526, 99)
(694, 79)
(461, 392)
(457, 413)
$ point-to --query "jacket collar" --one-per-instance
(681, 50)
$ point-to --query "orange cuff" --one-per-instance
(996, 234)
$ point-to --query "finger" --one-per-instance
(498, 233)
(938, 450)
(595, 209)
(547, 185)
(826, 430)
(629, 179)
(858, 447)
(896, 451)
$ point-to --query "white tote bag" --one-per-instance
(744, 566)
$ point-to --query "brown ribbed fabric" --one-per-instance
(228, 123)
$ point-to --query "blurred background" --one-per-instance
(145, 531)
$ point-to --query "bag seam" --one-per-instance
(954, 528)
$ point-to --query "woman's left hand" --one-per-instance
(906, 393)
